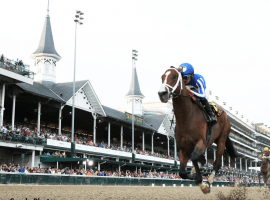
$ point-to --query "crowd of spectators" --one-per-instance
(31, 133)
(16, 66)
(128, 174)
(243, 139)
(10, 62)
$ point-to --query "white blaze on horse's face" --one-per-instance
(163, 88)
(164, 91)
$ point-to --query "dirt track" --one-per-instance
(21, 192)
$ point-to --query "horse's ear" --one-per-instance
(172, 67)
(180, 69)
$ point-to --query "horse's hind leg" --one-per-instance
(220, 151)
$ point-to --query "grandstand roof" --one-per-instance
(66, 89)
(110, 112)
(40, 90)
(152, 122)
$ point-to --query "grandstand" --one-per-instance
(36, 127)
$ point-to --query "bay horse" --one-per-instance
(264, 170)
(191, 128)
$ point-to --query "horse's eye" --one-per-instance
(174, 77)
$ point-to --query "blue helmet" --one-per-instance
(187, 69)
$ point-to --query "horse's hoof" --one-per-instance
(211, 178)
(191, 176)
(205, 187)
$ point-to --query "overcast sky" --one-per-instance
(228, 42)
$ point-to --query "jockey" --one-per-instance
(265, 153)
(198, 82)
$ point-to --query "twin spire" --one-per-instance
(137, 90)
(46, 44)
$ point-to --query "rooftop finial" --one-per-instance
(48, 9)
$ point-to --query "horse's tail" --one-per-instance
(230, 149)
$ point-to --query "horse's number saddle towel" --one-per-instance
(217, 113)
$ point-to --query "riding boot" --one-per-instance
(209, 111)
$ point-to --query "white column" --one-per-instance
(121, 136)
(168, 139)
(143, 141)
(214, 154)
(98, 166)
(246, 164)
(3, 104)
(33, 159)
(205, 155)
(94, 127)
(109, 134)
(13, 112)
(229, 161)
(222, 161)
(59, 121)
(250, 165)
(235, 165)
(240, 164)
(56, 165)
(256, 166)
(152, 142)
(39, 113)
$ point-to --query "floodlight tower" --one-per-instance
(78, 20)
(134, 58)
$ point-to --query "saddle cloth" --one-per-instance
(216, 111)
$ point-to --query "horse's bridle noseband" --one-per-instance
(179, 81)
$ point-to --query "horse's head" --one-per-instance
(171, 84)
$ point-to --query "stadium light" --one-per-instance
(90, 162)
(77, 20)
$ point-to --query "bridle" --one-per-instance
(179, 81)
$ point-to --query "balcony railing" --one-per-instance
(246, 143)
(17, 68)
(253, 137)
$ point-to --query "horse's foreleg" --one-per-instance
(265, 177)
(183, 158)
(199, 149)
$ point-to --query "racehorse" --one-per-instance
(264, 171)
(191, 128)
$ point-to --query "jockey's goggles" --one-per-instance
(186, 76)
